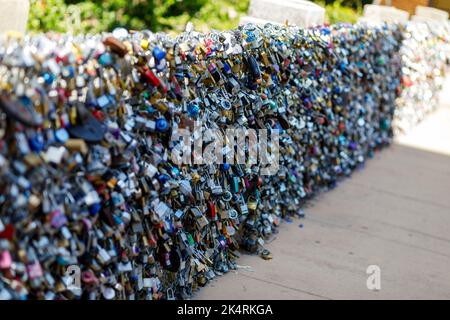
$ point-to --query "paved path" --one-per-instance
(395, 214)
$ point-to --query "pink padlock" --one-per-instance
(5, 260)
(34, 270)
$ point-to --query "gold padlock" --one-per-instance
(252, 203)
(265, 59)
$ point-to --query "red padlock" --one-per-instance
(149, 76)
(212, 209)
(8, 232)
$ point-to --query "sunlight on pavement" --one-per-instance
(433, 133)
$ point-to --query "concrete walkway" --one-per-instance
(395, 214)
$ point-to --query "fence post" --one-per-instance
(13, 15)
(378, 13)
(297, 12)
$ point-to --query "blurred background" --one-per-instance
(158, 15)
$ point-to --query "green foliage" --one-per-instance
(336, 12)
(355, 4)
(95, 16)
(157, 15)
(342, 10)
(47, 15)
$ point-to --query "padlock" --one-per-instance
(91, 128)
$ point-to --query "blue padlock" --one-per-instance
(162, 125)
(158, 53)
